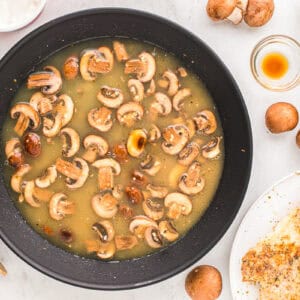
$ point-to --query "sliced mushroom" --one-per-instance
(71, 141)
(135, 66)
(48, 80)
(205, 122)
(14, 152)
(27, 117)
(178, 204)
(179, 97)
(173, 83)
(129, 113)
(71, 67)
(52, 125)
(68, 169)
(157, 191)
(136, 89)
(100, 118)
(42, 195)
(136, 142)
(120, 152)
(153, 237)
(153, 209)
(16, 180)
(162, 104)
(118, 191)
(139, 179)
(125, 242)
(59, 206)
(105, 205)
(126, 211)
(190, 124)
(47, 178)
(120, 51)
(105, 231)
(212, 149)
(192, 182)
(91, 62)
(150, 165)
(79, 182)
(182, 72)
(41, 103)
(28, 194)
(139, 224)
(108, 162)
(154, 134)
(188, 154)
(65, 108)
(149, 60)
(175, 138)
(108, 56)
(94, 146)
(32, 144)
(106, 250)
(110, 97)
(168, 231)
(134, 194)
(105, 178)
(151, 88)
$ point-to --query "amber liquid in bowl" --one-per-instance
(275, 65)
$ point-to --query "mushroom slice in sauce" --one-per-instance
(108, 162)
(41, 103)
(110, 97)
(108, 56)
(105, 205)
(153, 209)
(212, 150)
(105, 178)
(17, 178)
(33, 197)
(151, 88)
(173, 83)
(52, 125)
(136, 89)
(154, 134)
(134, 194)
(157, 191)
(192, 182)
(71, 142)
(120, 51)
(188, 154)
(153, 237)
(168, 231)
(182, 71)
(100, 118)
(129, 113)
(65, 108)
(105, 230)
(162, 104)
(179, 97)
(14, 152)
(79, 182)
(125, 242)
(48, 178)
(71, 67)
(136, 142)
(48, 80)
(206, 122)
(106, 250)
(175, 138)
(59, 206)
(150, 165)
(27, 117)
(139, 224)
(94, 146)
(178, 204)
(149, 60)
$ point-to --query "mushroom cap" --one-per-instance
(51, 127)
(212, 150)
(141, 220)
(85, 57)
(81, 164)
(168, 231)
(188, 154)
(152, 209)
(108, 162)
(100, 118)
(105, 230)
(162, 104)
(150, 67)
(205, 122)
(96, 142)
(173, 82)
(259, 12)
(179, 97)
(136, 89)
(71, 141)
(28, 194)
(181, 200)
(104, 205)
(220, 9)
(48, 178)
(65, 108)
(129, 113)
(136, 142)
(110, 97)
(153, 237)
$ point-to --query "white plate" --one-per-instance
(267, 211)
(24, 21)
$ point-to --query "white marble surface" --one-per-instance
(274, 156)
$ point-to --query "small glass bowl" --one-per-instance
(288, 47)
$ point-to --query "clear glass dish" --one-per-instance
(284, 45)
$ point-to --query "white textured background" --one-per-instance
(274, 156)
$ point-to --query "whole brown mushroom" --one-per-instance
(259, 12)
(281, 117)
(204, 283)
(298, 139)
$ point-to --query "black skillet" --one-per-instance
(95, 274)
